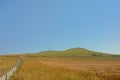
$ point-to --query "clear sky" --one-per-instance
(34, 25)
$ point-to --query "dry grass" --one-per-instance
(35, 69)
(100, 67)
(6, 63)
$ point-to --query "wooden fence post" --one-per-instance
(6, 77)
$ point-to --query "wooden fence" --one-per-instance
(8, 72)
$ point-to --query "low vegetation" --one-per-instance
(6, 63)
(72, 64)
(35, 69)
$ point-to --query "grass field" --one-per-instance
(72, 64)
(7, 61)
(98, 67)
(35, 69)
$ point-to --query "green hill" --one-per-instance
(73, 52)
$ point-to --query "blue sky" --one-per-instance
(34, 25)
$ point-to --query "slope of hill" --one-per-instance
(75, 53)
(71, 53)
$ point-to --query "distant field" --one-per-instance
(98, 67)
(40, 69)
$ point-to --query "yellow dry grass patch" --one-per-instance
(7, 61)
(34, 69)
(100, 67)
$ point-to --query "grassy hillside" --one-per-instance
(73, 52)
(76, 53)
